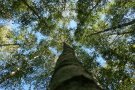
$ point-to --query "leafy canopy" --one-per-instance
(101, 32)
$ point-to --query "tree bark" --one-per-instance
(70, 75)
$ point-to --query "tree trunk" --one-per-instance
(70, 75)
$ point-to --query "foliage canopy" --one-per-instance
(102, 33)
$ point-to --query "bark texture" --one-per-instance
(69, 73)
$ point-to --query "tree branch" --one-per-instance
(115, 27)
(34, 11)
(9, 45)
(96, 5)
(31, 8)
(122, 33)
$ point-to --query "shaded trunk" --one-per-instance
(70, 75)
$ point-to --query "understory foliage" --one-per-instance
(102, 32)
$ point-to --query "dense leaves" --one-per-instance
(101, 32)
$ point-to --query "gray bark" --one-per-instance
(70, 75)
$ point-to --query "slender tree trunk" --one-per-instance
(70, 75)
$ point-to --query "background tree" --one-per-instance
(101, 31)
